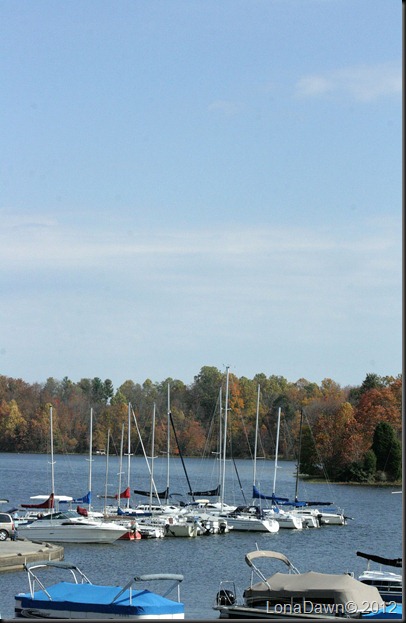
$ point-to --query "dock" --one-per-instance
(15, 554)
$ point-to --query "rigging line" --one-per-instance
(246, 435)
(206, 450)
(143, 450)
(330, 488)
(180, 454)
(235, 468)
(239, 482)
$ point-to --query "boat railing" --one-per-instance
(227, 594)
(78, 575)
(176, 579)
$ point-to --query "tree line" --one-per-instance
(348, 433)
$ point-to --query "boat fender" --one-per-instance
(225, 597)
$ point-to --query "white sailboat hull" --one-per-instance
(288, 521)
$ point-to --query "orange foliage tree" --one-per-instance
(380, 404)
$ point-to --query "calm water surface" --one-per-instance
(376, 526)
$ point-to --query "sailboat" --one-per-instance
(313, 516)
(50, 501)
(243, 518)
(285, 519)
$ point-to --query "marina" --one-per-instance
(206, 561)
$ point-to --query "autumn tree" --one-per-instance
(381, 404)
(339, 440)
(13, 427)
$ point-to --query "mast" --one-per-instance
(107, 472)
(168, 443)
(129, 452)
(52, 452)
(298, 458)
(220, 445)
(152, 457)
(120, 470)
(90, 458)
(254, 478)
(225, 438)
(276, 452)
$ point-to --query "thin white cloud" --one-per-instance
(228, 108)
(201, 293)
(284, 257)
(361, 82)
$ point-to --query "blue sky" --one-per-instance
(192, 182)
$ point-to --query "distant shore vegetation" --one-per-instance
(349, 434)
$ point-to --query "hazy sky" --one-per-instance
(200, 182)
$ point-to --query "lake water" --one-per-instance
(376, 526)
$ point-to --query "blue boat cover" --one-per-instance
(275, 499)
(92, 598)
(86, 499)
(391, 611)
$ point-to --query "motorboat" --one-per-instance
(214, 508)
(79, 599)
(388, 583)
(210, 523)
(176, 526)
(150, 531)
(70, 527)
(295, 595)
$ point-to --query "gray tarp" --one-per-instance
(261, 553)
(312, 586)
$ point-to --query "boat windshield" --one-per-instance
(59, 515)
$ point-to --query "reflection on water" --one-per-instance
(205, 561)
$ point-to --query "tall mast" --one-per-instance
(52, 452)
(152, 456)
(168, 443)
(129, 452)
(298, 458)
(225, 438)
(276, 452)
(107, 471)
(220, 445)
(120, 471)
(256, 439)
(90, 457)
